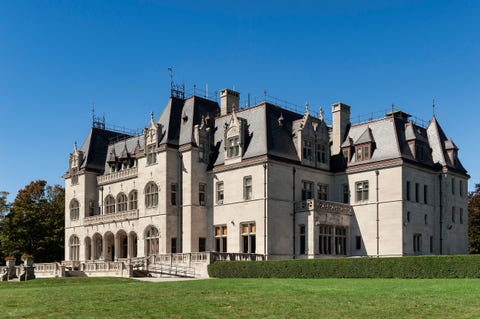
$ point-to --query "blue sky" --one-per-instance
(57, 57)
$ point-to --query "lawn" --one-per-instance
(241, 298)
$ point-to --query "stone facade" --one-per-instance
(265, 180)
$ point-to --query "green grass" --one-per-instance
(241, 298)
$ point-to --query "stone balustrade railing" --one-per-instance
(109, 218)
(117, 176)
(323, 206)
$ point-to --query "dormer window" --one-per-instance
(346, 155)
(201, 151)
(321, 153)
(233, 147)
(151, 154)
(307, 150)
(364, 146)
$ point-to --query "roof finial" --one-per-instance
(93, 112)
(306, 107)
(151, 116)
(75, 146)
(433, 107)
(393, 107)
(322, 114)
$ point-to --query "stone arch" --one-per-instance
(152, 240)
(88, 248)
(97, 245)
(74, 209)
(74, 244)
(121, 243)
(122, 202)
(109, 246)
(133, 244)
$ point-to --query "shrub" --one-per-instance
(460, 266)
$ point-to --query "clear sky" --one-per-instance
(57, 57)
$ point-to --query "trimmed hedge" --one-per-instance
(460, 266)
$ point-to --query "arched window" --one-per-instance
(74, 209)
(74, 248)
(109, 204)
(151, 195)
(132, 200)
(121, 202)
(151, 241)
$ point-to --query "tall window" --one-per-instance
(322, 191)
(346, 193)
(173, 245)
(307, 190)
(417, 243)
(460, 188)
(307, 150)
(358, 152)
(219, 193)
(247, 187)
(340, 240)
(461, 215)
(325, 239)
(202, 188)
(109, 205)
(74, 209)
(303, 240)
(133, 200)
(151, 195)
(361, 190)
(366, 152)
(346, 155)
(248, 238)
(408, 190)
(425, 194)
(152, 241)
(202, 244)
(453, 186)
(417, 191)
(233, 147)
(321, 153)
(221, 238)
(173, 194)
(453, 214)
(74, 248)
(151, 154)
(91, 207)
(121, 202)
(201, 151)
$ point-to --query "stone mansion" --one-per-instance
(265, 180)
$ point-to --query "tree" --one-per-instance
(4, 208)
(474, 220)
(35, 223)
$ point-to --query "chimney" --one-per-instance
(340, 123)
(229, 101)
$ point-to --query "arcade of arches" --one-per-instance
(111, 247)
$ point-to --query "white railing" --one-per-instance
(71, 264)
(215, 256)
(108, 218)
(49, 270)
(117, 176)
(103, 266)
(323, 205)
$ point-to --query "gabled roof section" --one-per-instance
(123, 149)
(95, 148)
(194, 109)
(170, 120)
(366, 137)
(268, 132)
(439, 143)
(382, 132)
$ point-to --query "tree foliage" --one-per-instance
(35, 223)
(474, 220)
